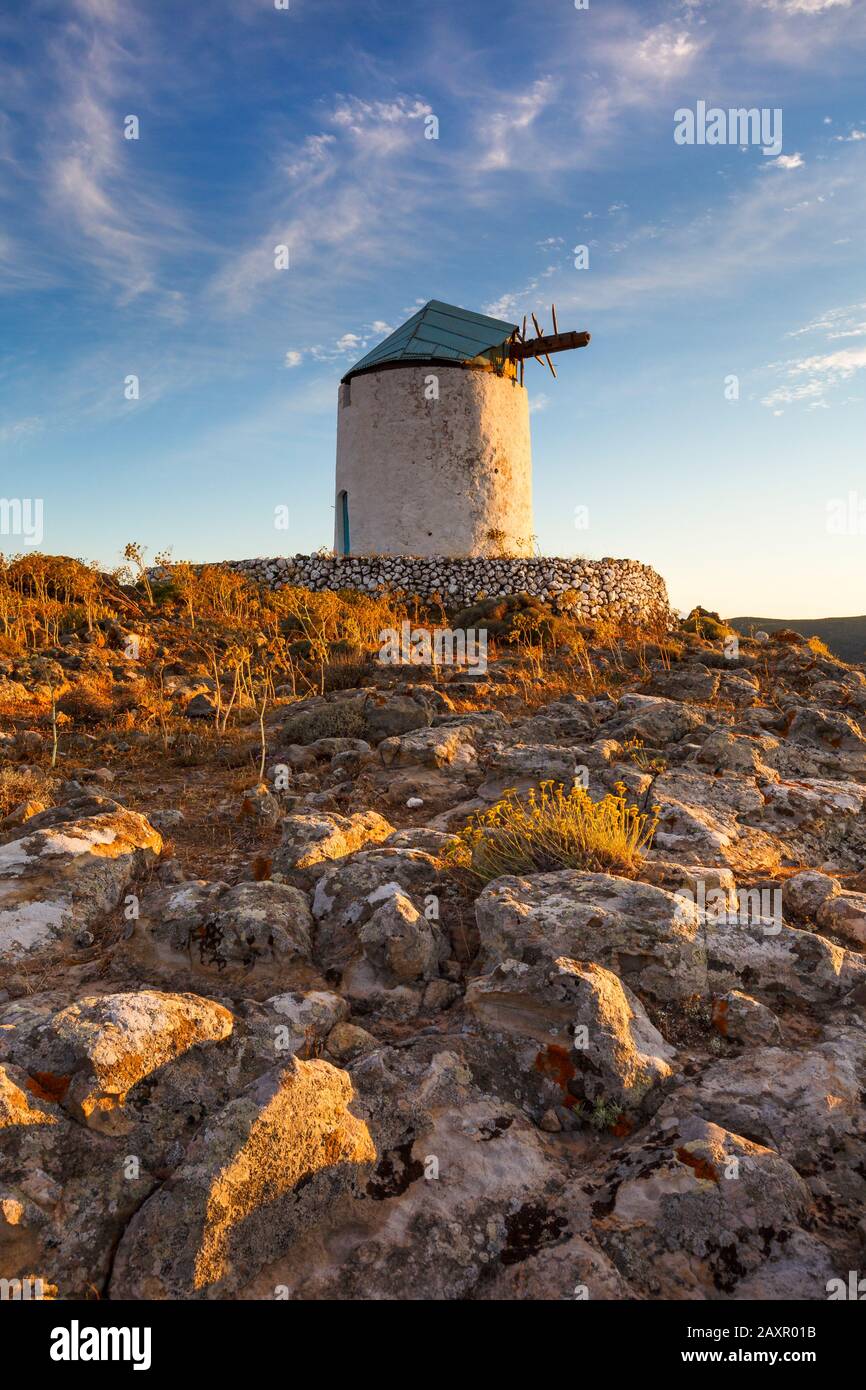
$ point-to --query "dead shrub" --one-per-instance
(19, 784)
(90, 701)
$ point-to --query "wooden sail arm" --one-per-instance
(542, 346)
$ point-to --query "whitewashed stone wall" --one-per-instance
(442, 474)
(589, 588)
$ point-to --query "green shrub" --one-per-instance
(341, 719)
(706, 624)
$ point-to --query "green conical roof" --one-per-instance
(438, 333)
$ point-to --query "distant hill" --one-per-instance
(846, 637)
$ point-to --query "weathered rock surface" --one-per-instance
(90, 1055)
(312, 840)
(571, 1035)
(660, 943)
(65, 869)
(261, 1172)
(254, 938)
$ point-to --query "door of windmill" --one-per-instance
(343, 503)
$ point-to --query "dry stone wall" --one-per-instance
(588, 588)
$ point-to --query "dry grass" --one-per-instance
(819, 647)
(552, 828)
(19, 784)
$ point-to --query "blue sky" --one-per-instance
(257, 126)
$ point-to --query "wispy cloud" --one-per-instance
(353, 186)
(85, 189)
(806, 6)
(835, 323)
(814, 379)
(19, 430)
(506, 144)
(753, 233)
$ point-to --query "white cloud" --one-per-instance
(666, 51)
(18, 430)
(834, 365)
(359, 116)
(348, 345)
(812, 379)
(293, 358)
(346, 188)
(805, 6)
(835, 323)
(505, 128)
(381, 127)
(314, 158)
(785, 161)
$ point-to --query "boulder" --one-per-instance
(742, 1019)
(261, 1171)
(446, 746)
(91, 1054)
(254, 938)
(71, 867)
(201, 706)
(387, 715)
(693, 1210)
(312, 840)
(692, 681)
(399, 941)
(350, 890)
(463, 1185)
(654, 720)
(830, 727)
(844, 914)
(662, 945)
(806, 892)
(572, 1036)
(804, 1104)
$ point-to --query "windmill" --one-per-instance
(520, 348)
(434, 448)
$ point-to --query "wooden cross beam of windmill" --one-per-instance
(543, 344)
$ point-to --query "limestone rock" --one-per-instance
(315, 839)
(695, 1210)
(261, 1171)
(350, 891)
(845, 915)
(91, 1054)
(740, 1018)
(398, 940)
(572, 1035)
(805, 893)
(71, 866)
(254, 938)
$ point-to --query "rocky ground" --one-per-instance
(260, 1039)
